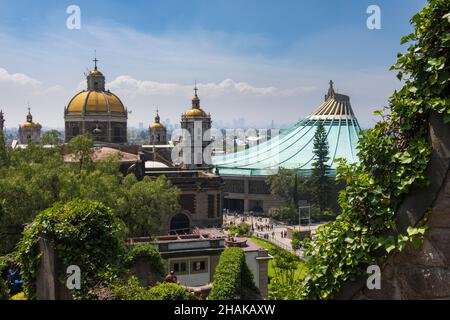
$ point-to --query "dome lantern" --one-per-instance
(195, 111)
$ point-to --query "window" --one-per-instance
(198, 266)
(218, 208)
(75, 131)
(179, 267)
(211, 206)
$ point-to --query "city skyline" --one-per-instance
(245, 68)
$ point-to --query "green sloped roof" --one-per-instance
(294, 147)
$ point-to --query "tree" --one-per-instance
(146, 204)
(82, 148)
(37, 177)
(320, 181)
(3, 151)
(52, 137)
(288, 186)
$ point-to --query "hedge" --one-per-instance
(149, 253)
(232, 274)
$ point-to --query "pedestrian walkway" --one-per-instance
(268, 230)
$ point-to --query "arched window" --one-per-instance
(179, 223)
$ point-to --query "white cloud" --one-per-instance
(146, 70)
(130, 86)
(19, 79)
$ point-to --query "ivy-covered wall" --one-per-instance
(423, 272)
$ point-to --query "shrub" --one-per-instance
(231, 273)
(169, 291)
(83, 233)
(4, 293)
(149, 253)
(132, 290)
(243, 229)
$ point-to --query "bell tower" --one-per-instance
(196, 135)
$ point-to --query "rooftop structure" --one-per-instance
(293, 148)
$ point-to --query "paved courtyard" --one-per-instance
(270, 230)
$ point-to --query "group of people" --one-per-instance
(263, 228)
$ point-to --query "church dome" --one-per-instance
(157, 124)
(96, 99)
(195, 111)
(95, 102)
(29, 123)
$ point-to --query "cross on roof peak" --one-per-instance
(95, 59)
(195, 87)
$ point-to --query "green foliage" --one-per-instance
(169, 291)
(281, 267)
(83, 233)
(145, 203)
(231, 276)
(132, 290)
(288, 186)
(147, 252)
(52, 137)
(321, 183)
(287, 214)
(36, 177)
(242, 229)
(82, 148)
(393, 155)
(3, 152)
(285, 266)
(4, 293)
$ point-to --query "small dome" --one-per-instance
(30, 125)
(95, 102)
(95, 73)
(156, 125)
(195, 112)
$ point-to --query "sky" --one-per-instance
(257, 60)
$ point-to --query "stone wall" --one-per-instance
(422, 273)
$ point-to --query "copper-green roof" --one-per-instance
(294, 148)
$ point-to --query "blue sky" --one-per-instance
(259, 60)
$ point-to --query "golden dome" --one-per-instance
(95, 102)
(156, 125)
(195, 112)
(30, 125)
(95, 72)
